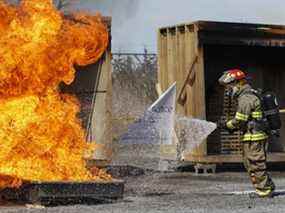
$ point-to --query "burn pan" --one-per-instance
(65, 193)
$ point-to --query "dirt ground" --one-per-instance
(182, 192)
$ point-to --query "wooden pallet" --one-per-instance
(230, 143)
(214, 111)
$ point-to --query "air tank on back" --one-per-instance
(271, 110)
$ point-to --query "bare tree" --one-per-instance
(62, 5)
(13, 1)
(136, 72)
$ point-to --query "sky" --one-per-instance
(135, 22)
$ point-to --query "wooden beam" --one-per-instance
(189, 79)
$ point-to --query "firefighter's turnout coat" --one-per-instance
(248, 115)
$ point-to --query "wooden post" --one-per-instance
(189, 58)
(180, 64)
(162, 60)
(171, 57)
(199, 91)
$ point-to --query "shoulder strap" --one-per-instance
(253, 92)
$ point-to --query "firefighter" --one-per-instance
(247, 119)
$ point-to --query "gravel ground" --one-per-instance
(182, 192)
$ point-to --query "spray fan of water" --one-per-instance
(191, 133)
(151, 139)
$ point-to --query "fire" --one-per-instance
(41, 139)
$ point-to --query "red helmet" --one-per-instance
(231, 76)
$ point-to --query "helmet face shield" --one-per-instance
(226, 79)
(231, 76)
(230, 80)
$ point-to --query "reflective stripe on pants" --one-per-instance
(254, 137)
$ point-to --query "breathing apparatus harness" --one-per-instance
(271, 121)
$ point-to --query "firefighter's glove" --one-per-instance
(221, 124)
(230, 131)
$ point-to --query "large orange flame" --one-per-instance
(41, 138)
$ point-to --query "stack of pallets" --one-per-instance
(214, 111)
(230, 142)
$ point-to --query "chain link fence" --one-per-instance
(134, 79)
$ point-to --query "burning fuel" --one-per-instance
(41, 139)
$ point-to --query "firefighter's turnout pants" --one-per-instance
(254, 157)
